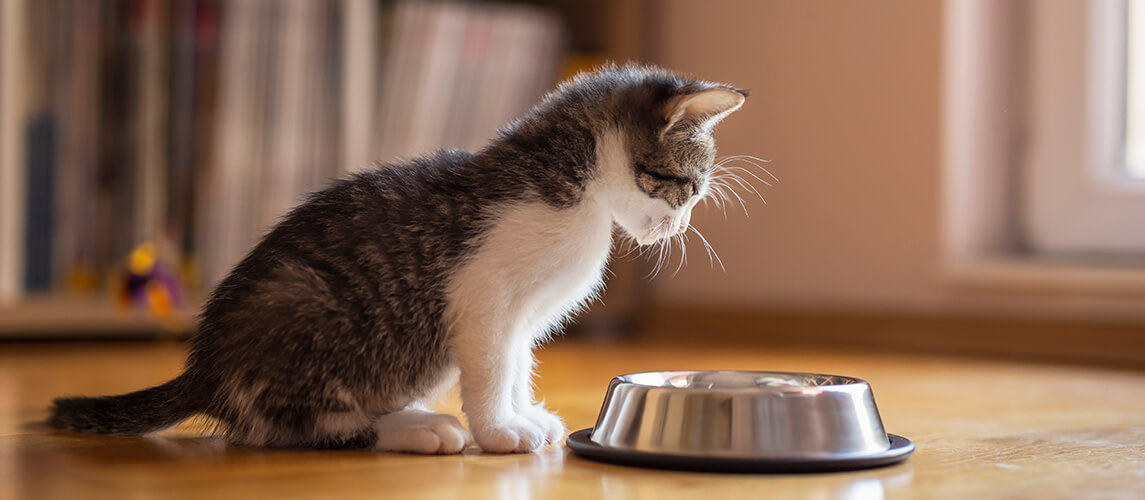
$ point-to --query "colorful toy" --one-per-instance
(147, 282)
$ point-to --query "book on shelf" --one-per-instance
(196, 124)
(13, 24)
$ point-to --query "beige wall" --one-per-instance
(846, 104)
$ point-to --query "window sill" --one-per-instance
(1043, 275)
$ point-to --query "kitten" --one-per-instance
(374, 296)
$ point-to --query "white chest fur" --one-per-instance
(536, 266)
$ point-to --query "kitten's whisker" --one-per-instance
(665, 253)
(722, 187)
(727, 164)
(730, 176)
(712, 200)
(717, 183)
(718, 196)
(650, 274)
(719, 201)
(739, 198)
(748, 172)
(711, 250)
(756, 158)
(659, 261)
(722, 160)
(707, 248)
(747, 159)
(682, 239)
(735, 172)
(748, 185)
(631, 248)
(712, 190)
(641, 252)
(682, 258)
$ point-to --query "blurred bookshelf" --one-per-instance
(146, 144)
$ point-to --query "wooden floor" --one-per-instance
(983, 429)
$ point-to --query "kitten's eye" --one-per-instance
(663, 177)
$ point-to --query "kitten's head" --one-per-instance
(667, 140)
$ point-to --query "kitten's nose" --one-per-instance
(682, 230)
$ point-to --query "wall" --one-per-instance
(846, 103)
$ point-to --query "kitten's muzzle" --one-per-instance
(665, 228)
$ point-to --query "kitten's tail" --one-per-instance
(142, 412)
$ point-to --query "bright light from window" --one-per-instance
(1135, 106)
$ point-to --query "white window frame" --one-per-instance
(984, 239)
(1135, 122)
(1079, 196)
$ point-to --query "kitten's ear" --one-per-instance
(703, 108)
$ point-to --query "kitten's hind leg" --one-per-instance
(417, 430)
(296, 417)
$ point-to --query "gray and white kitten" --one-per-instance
(367, 301)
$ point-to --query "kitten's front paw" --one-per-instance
(517, 435)
(552, 425)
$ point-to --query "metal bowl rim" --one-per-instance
(855, 382)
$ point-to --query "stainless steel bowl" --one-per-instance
(776, 418)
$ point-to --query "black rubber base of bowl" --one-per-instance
(579, 443)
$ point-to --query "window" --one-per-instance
(1042, 181)
(1083, 179)
(1135, 107)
